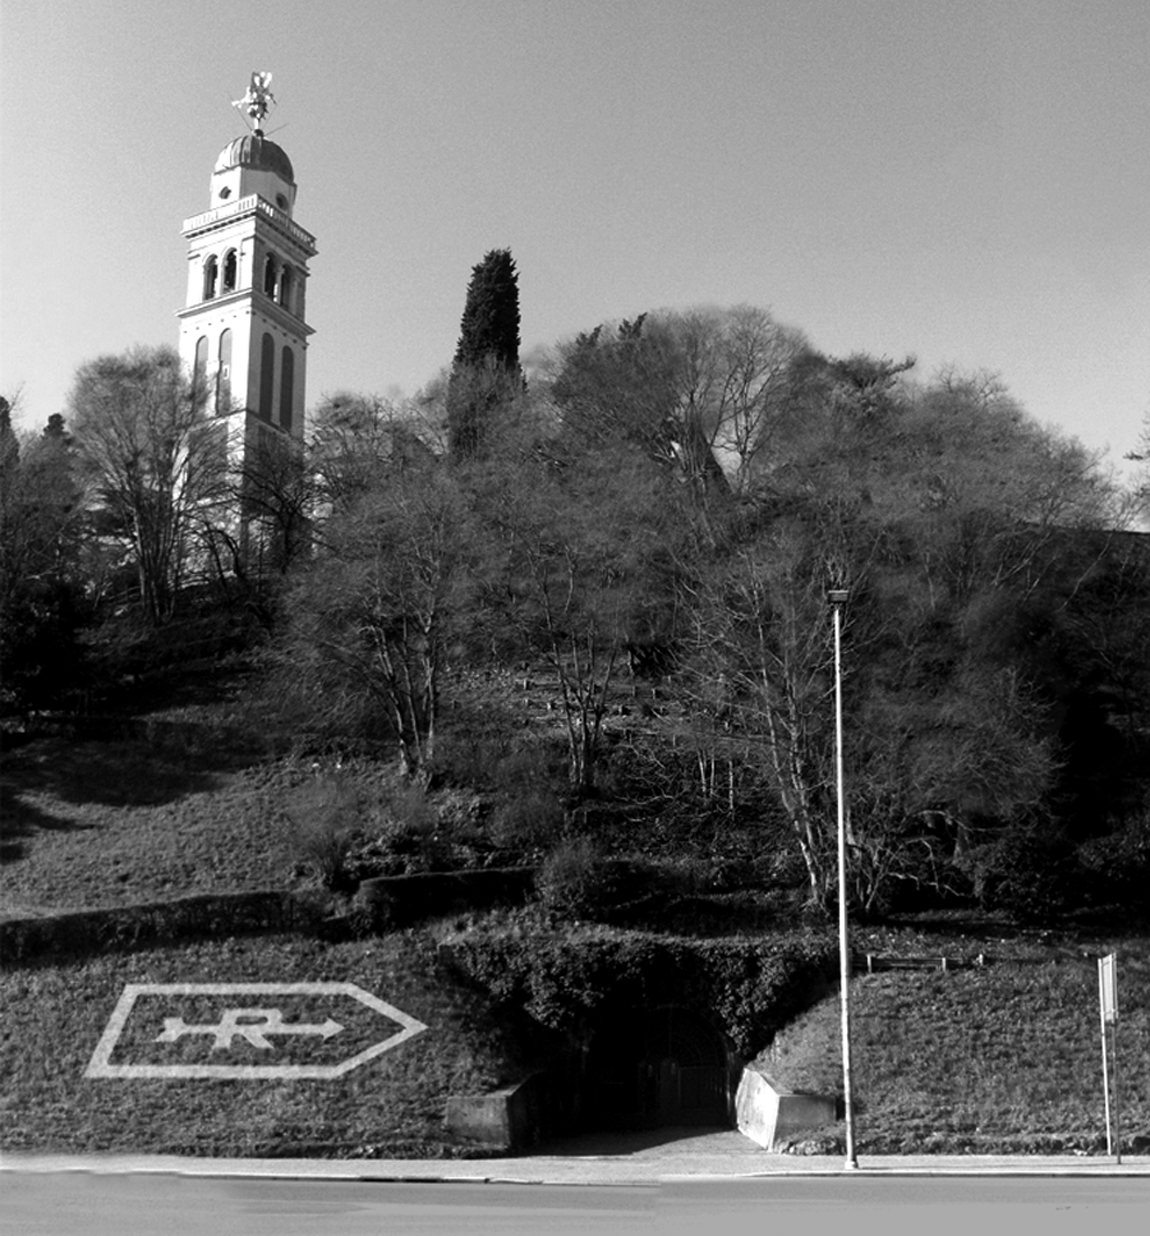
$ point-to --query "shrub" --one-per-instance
(1119, 864)
(467, 757)
(563, 978)
(412, 832)
(1031, 873)
(387, 903)
(326, 815)
(535, 765)
(567, 879)
(527, 821)
(926, 880)
(486, 748)
(578, 883)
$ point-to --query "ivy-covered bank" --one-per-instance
(571, 978)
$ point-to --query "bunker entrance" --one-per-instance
(657, 1068)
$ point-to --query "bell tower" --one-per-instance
(243, 328)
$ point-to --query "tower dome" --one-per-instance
(253, 164)
(256, 152)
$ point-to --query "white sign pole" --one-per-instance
(1105, 1066)
(1117, 1122)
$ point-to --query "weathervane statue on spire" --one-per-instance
(258, 101)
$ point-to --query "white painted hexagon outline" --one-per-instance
(101, 1066)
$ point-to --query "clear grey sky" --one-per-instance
(965, 181)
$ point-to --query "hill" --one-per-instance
(1003, 1058)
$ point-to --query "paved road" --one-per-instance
(895, 1204)
(81, 1203)
(715, 1182)
(161, 1205)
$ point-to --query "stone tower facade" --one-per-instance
(243, 328)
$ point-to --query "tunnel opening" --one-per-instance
(657, 1068)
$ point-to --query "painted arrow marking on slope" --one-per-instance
(251, 1023)
(254, 1025)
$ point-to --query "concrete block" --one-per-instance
(512, 1117)
(481, 1118)
(768, 1113)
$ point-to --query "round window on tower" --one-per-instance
(225, 193)
(281, 201)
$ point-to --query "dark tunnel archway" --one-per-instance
(655, 1068)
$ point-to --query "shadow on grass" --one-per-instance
(20, 820)
(114, 774)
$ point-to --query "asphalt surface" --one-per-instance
(599, 1159)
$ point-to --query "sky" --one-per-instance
(964, 181)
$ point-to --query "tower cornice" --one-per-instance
(220, 217)
(257, 302)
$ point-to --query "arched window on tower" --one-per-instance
(287, 286)
(211, 272)
(231, 267)
(287, 388)
(224, 375)
(271, 271)
(267, 377)
(200, 365)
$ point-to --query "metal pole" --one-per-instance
(1117, 1105)
(844, 947)
(1105, 1066)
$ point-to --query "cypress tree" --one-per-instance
(9, 447)
(485, 371)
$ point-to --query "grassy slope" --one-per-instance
(391, 1106)
(109, 823)
(1007, 1058)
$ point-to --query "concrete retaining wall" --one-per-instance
(512, 1118)
(110, 929)
(383, 904)
(769, 1114)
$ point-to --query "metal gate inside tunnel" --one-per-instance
(657, 1067)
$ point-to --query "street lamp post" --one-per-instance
(838, 598)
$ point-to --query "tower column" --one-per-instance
(242, 327)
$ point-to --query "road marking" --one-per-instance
(250, 1023)
(239, 1023)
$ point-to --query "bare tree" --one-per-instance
(635, 383)
(1140, 490)
(754, 404)
(580, 537)
(761, 644)
(154, 458)
(705, 391)
(355, 439)
(264, 529)
(938, 737)
(372, 621)
(988, 492)
(944, 512)
(276, 493)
